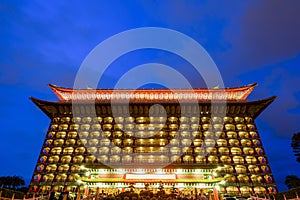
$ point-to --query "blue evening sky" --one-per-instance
(45, 42)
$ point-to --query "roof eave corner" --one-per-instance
(249, 90)
(56, 91)
(262, 105)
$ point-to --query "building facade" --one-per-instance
(190, 140)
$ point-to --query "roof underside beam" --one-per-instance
(252, 109)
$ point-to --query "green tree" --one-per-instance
(292, 181)
(17, 181)
(296, 145)
(11, 182)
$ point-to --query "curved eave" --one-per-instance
(252, 108)
(238, 93)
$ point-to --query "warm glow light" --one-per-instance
(79, 181)
(151, 176)
(139, 185)
(179, 171)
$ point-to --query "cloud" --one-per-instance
(269, 33)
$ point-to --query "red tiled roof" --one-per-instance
(139, 95)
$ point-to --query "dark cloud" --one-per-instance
(269, 32)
